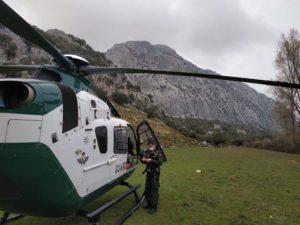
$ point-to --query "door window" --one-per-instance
(121, 140)
(133, 151)
(145, 134)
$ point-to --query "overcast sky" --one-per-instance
(231, 37)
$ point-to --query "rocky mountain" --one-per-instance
(230, 102)
(14, 49)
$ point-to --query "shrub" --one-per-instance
(120, 98)
(131, 97)
(218, 138)
(237, 142)
(151, 112)
(4, 40)
(140, 104)
(109, 82)
(133, 87)
(11, 50)
(150, 97)
(280, 143)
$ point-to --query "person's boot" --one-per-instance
(152, 210)
(146, 206)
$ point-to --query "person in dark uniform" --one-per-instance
(153, 159)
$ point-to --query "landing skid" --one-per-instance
(6, 219)
(93, 217)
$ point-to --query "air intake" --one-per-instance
(15, 94)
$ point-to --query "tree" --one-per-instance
(218, 138)
(287, 63)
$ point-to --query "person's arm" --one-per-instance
(159, 160)
(142, 157)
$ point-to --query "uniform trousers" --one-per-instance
(151, 189)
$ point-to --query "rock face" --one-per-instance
(180, 97)
(14, 50)
(229, 102)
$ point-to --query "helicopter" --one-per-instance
(62, 145)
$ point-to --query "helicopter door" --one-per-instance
(133, 150)
(120, 150)
(145, 133)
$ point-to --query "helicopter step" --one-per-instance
(5, 218)
(93, 217)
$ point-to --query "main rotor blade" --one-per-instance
(13, 21)
(108, 70)
(18, 68)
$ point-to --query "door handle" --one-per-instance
(110, 161)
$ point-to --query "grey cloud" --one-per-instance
(221, 26)
(211, 33)
(212, 26)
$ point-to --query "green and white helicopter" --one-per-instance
(61, 145)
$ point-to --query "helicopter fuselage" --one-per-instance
(59, 148)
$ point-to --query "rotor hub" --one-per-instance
(77, 60)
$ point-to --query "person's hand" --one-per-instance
(144, 159)
(148, 160)
(127, 166)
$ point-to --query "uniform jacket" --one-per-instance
(157, 160)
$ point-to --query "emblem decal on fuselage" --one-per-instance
(120, 167)
(82, 157)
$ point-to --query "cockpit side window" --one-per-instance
(93, 104)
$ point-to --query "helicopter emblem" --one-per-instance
(82, 157)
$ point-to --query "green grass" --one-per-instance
(236, 186)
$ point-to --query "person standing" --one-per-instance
(153, 159)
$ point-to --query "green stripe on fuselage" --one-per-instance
(34, 183)
(42, 186)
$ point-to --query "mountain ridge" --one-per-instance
(234, 103)
(226, 101)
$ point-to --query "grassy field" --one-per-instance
(235, 186)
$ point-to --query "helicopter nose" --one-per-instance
(14, 94)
